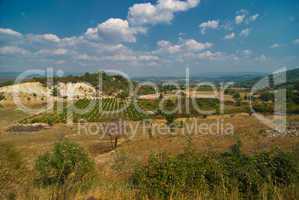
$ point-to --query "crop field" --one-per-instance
(90, 111)
(110, 109)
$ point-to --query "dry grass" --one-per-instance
(248, 129)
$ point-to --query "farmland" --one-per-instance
(90, 111)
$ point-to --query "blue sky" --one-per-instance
(144, 37)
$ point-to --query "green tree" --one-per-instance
(170, 121)
(55, 92)
(237, 98)
(267, 96)
(2, 96)
(67, 170)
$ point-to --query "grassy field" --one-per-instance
(115, 166)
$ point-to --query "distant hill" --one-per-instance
(292, 77)
(111, 84)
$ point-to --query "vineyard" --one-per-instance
(111, 109)
(90, 111)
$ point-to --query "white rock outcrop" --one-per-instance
(76, 90)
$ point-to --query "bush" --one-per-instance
(66, 170)
(190, 174)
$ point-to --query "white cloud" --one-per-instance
(245, 32)
(208, 55)
(246, 53)
(184, 46)
(114, 30)
(51, 37)
(139, 15)
(211, 24)
(243, 17)
(146, 13)
(296, 41)
(13, 50)
(52, 52)
(162, 12)
(177, 5)
(239, 19)
(253, 17)
(6, 31)
(48, 37)
(275, 45)
(230, 36)
(192, 44)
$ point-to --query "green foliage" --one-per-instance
(7, 83)
(111, 83)
(67, 170)
(170, 121)
(293, 96)
(110, 106)
(55, 92)
(188, 174)
(123, 95)
(236, 95)
(2, 96)
(263, 107)
(267, 96)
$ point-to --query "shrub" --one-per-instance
(66, 170)
(169, 119)
(167, 176)
(190, 174)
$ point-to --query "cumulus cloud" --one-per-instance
(244, 17)
(211, 24)
(177, 5)
(139, 17)
(245, 32)
(189, 49)
(105, 44)
(9, 35)
(253, 17)
(13, 50)
(208, 55)
(46, 37)
(9, 32)
(146, 13)
(114, 30)
(183, 46)
(52, 52)
(162, 12)
(240, 18)
(230, 36)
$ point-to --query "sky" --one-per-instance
(149, 37)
